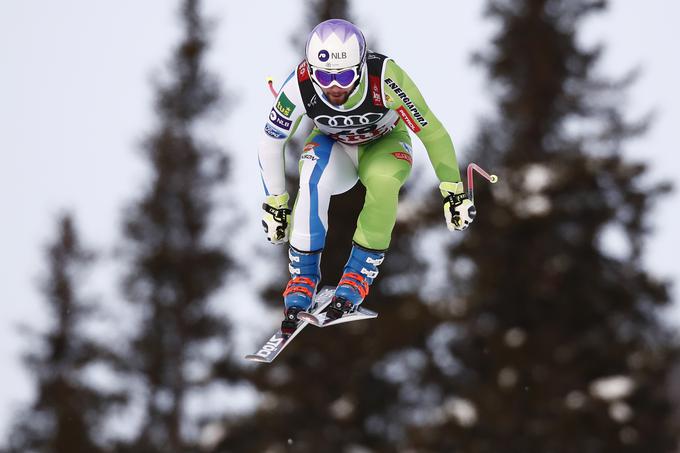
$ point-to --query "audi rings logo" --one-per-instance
(348, 120)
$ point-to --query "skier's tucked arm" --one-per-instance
(281, 123)
(402, 95)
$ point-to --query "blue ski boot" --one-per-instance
(305, 273)
(359, 272)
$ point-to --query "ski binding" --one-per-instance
(274, 345)
(319, 319)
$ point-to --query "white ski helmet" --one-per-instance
(336, 44)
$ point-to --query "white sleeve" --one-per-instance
(285, 113)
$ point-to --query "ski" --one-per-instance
(318, 318)
(277, 342)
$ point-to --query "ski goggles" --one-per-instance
(343, 78)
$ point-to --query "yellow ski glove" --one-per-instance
(459, 210)
(276, 218)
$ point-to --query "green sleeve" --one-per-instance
(402, 95)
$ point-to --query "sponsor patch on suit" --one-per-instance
(273, 132)
(278, 120)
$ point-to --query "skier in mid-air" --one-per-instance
(361, 104)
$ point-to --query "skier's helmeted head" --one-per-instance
(336, 55)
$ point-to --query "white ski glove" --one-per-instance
(459, 211)
(276, 218)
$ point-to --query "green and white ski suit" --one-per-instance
(366, 139)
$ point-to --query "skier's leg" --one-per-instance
(384, 166)
(324, 170)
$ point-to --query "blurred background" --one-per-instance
(136, 275)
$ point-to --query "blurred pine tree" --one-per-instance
(69, 411)
(559, 347)
(175, 265)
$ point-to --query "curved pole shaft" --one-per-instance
(471, 169)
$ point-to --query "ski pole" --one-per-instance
(471, 169)
(270, 83)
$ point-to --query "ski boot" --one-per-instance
(359, 272)
(305, 274)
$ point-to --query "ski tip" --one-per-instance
(370, 314)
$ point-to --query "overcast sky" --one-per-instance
(76, 99)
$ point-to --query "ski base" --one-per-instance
(277, 342)
(320, 320)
